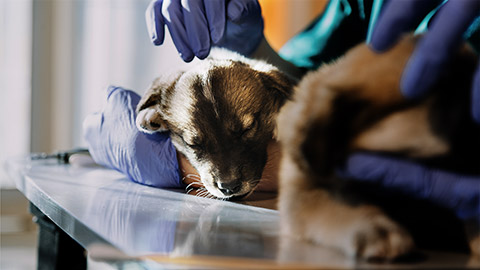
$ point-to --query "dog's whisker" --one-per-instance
(192, 184)
(192, 175)
(195, 185)
(203, 193)
(188, 186)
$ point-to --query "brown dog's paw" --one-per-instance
(380, 238)
(475, 245)
(472, 230)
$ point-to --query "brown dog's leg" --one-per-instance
(312, 213)
(472, 229)
(308, 207)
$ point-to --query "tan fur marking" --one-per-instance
(405, 131)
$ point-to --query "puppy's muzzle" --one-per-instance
(229, 188)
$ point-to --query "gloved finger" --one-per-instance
(216, 17)
(476, 95)
(244, 27)
(457, 192)
(112, 89)
(196, 25)
(155, 22)
(238, 10)
(397, 18)
(172, 12)
(434, 51)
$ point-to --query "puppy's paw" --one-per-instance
(379, 238)
(150, 121)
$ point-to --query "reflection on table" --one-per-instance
(116, 219)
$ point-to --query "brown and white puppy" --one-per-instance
(356, 104)
(220, 115)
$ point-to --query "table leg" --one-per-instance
(56, 249)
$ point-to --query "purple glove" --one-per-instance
(114, 142)
(197, 25)
(460, 193)
(434, 51)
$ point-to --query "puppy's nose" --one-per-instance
(230, 188)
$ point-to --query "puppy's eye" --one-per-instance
(193, 143)
(248, 129)
(194, 146)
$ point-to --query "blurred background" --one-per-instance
(57, 57)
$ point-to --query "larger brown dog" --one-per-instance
(355, 104)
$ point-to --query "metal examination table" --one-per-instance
(131, 226)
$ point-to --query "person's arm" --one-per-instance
(460, 193)
(115, 142)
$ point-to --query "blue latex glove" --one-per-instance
(114, 142)
(432, 55)
(197, 25)
(459, 193)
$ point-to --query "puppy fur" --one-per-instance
(220, 115)
(355, 104)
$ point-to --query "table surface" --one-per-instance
(118, 220)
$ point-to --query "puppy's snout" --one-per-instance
(230, 188)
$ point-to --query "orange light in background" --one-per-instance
(285, 18)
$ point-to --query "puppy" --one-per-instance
(355, 104)
(220, 115)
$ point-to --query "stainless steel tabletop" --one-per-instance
(118, 220)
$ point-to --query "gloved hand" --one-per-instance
(432, 55)
(459, 193)
(197, 25)
(114, 142)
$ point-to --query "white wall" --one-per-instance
(15, 79)
(56, 59)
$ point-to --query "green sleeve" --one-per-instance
(342, 25)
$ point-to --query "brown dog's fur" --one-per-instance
(356, 104)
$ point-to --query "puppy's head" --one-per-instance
(221, 116)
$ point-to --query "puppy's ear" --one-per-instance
(280, 85)
(153, 95)
(281, 89)
(149, 109)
